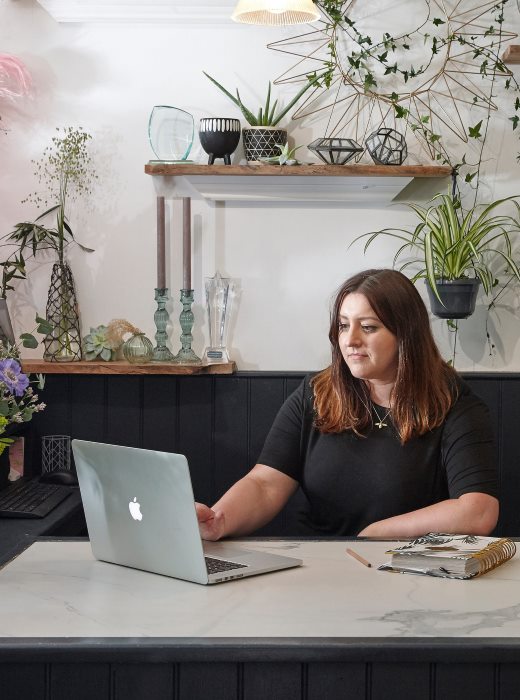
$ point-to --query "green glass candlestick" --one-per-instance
(186, 356)
(161, 318)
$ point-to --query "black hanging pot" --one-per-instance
(458, 297)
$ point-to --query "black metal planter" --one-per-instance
(458, 297)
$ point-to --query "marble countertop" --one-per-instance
(58, 590)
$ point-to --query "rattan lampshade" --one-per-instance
(275, 12)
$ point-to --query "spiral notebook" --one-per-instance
(450, 556)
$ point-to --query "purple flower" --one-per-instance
(12, 377)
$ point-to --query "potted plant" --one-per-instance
(456, 250)
(66, 170)
(263, 137)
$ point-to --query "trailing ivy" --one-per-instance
(387, 55)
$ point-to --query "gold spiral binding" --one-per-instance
(494, 554)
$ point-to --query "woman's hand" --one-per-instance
(211, 523)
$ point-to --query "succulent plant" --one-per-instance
(267, 115)
(285, 157)
(97, 346)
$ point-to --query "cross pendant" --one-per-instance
(380, 424)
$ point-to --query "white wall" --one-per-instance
(287, 259)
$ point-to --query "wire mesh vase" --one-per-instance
(63, 344)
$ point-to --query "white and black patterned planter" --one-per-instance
(219, 137)
(262, 141)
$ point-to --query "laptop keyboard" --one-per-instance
(215, 566)
(30, 499)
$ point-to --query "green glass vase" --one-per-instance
(138, 349)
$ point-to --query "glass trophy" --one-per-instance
(171, 131)
(217, 304)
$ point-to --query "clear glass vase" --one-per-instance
(171, 131)
(63, 344)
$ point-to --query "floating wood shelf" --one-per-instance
(358, 183)
(512, 54)
(310, 170)
(122, 367)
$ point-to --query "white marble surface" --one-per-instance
(57, 589)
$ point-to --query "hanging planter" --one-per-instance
(64, 343)
(457, 297)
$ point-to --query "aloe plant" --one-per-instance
(266, 115)
(453, 244)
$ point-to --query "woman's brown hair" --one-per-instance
(425, 386)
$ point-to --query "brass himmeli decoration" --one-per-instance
(434, 75)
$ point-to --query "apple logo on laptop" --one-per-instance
(135, 509)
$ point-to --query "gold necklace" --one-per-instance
(380, 421)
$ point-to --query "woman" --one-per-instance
(387, 441)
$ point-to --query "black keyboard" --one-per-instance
(31, 499)
(215, 566)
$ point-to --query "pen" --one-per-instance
(358, 557)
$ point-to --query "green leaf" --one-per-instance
(4, 408)
(44, 327)
(474, 131)
(437, 21)
(29, 341)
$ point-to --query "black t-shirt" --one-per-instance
(350, 481)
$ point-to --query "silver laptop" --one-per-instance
(140, 512)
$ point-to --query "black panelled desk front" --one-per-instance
(72, 627)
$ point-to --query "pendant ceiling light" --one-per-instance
(275, 12)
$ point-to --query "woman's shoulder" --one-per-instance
(467, 402)
(303, 395)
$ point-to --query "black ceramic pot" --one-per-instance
(219, 137)
(458, 297)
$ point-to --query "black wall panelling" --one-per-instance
(259, 680)
(220, 422)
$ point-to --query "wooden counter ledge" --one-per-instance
(123, 367)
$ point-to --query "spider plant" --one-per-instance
(453, 244)
(266, 115)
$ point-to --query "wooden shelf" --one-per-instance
(357, 184)
(123, 367)
(512, 54)
(310, 170)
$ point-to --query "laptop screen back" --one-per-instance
(139, 509)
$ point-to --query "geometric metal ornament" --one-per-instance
(387, 147)
(335, 151)
(426, 72)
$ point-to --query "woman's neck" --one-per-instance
(380, 392)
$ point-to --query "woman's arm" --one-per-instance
(470, 514)
(250, 503)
